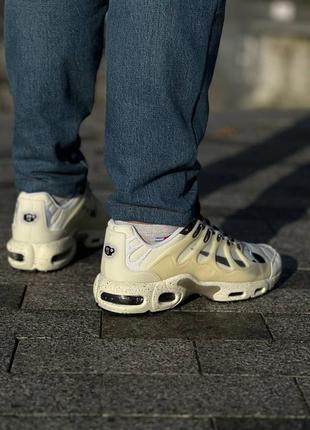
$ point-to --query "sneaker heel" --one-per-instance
(41, 256)
(135, 298)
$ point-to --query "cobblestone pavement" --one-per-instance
(64, 364)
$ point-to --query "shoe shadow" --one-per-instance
(285, 201)
(82, 253)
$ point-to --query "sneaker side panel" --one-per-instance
(114, 257)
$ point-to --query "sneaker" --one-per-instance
(45, 232)
(137, 277)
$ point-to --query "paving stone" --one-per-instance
(271, 214)
(210, 152)
(159, 423)
(4, 234)
(265, 124)
(185, 325)
(284, 187)
(51, 423)
(304, 384)
(8, 322)
(292, 239)
(80, 273)
(225, 395)
(243, 176)
(247, 230)
(50, 394)
(7, 346)
(278, 301)
(224, 211)
(241, 200)
(254, 358)
(11, 296)
(289, 327)
(50, 324)
(104, 356)
(103, 423)
(271, 186)
(243, 229)
(255, 186)
(216, 153)
(263, 182)
(262, 424)
(295, 279)
(60, 295)
(216, 199)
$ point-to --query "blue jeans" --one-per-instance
(160, 61)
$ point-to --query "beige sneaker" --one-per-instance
(45, 233)
(137, 277)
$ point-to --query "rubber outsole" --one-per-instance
(49, 256)
(136, 298)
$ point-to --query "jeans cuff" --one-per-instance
(151, 215)
(60, 190)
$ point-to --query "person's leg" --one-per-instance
(161, 57)
(53, 49)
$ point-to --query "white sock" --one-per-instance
(61, 200)
(152, 233)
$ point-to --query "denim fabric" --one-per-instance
(160, 62)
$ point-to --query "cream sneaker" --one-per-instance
(45, 233)
(137, 277)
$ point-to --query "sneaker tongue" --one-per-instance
(61, 201)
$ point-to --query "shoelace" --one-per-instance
(214, 230)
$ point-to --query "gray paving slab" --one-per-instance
(292, 239)
(219, 151)
(73, 295)
(247, 175)
(50, 324)
(299, 279)
(255, 186)
(267, 186)
(279, 301)
(185, 325)
(254, 358)
(265, 124)
(212, 151)
(243, 229)
(241, 200)
(8, 323)
(289, 327)
(224, 395)
(105, 356)
(50, 394)
(7, 346)
(262, 424)
(4, 234)
(103, 423)
(6, 214)
(264, 192)
(11, 296)
(80, 273)
(52, 423)
(304, 384)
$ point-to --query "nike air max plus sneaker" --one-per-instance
(45, 232)
(137, 277)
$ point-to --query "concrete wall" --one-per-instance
(264, 57)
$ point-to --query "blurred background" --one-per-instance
(264, 60)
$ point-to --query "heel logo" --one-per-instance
(30, 217)
(109, 251)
